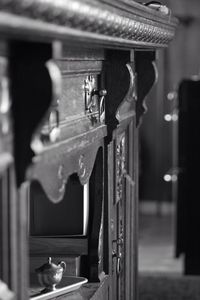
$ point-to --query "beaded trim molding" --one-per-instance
(95, 18)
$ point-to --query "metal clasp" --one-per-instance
(94, 101)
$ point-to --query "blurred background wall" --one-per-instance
(158, 133)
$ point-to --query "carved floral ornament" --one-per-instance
(94, 18)
(120, 166)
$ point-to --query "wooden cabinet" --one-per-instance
(78, 75)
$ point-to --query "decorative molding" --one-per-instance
(98, 18)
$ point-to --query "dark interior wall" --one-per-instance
(183, 53)
(158, 137)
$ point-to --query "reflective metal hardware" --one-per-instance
(118, 262)
(119, 267)
(50, 274)
(94, 101)
(101, 103)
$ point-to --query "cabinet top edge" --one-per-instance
(122, 23)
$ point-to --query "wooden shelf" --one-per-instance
(58, 245)
(68, 284)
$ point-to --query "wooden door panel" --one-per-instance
(122, 214)
(111, 221)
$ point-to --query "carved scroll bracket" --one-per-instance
(31, 89)
(126, 108)
(121, 88)
(52, 170)
(146, 77)
(6, 153)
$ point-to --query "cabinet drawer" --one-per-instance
(80, 107)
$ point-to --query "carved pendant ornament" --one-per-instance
(97, 18)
